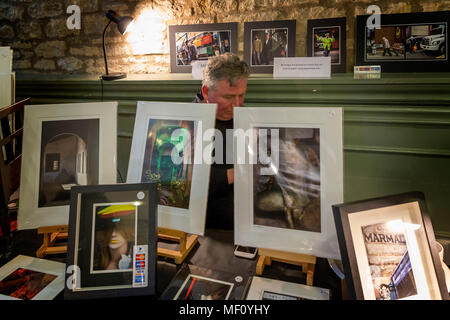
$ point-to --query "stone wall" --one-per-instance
(36, 29)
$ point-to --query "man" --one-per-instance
(225, 84)
(266, 55)
(326, 43)
(257, 49)
(387, 47)
(193, 52)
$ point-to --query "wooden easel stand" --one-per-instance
(186, 244)
(307, 262)
(51, 235)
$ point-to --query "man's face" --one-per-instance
(227, 97)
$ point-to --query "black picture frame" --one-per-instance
(92, 282)
(259, 27)
(408, 32)
(175, 62)
(334, 25)
(191, 281)
(368, 209)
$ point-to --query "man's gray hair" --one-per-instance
(227, 66)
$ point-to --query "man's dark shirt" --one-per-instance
(220, 209)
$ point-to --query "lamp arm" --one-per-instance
(104, 50)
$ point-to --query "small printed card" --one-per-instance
(302, 68)
(140, 261)
(197, 69)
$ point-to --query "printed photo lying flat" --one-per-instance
(388, 249)
(112, 241)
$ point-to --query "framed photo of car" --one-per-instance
(288, 173)
(327, 37)
(112, 241)
(167, 147)
(406, 42)
(388, 249)
(266, 40)
(190, 43)
(64, 145)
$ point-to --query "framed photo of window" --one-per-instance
(29, 278)
(265, 40)
(64, 145)
(190, 43)
(406, 42)
(327, 37)
(272, 289)
(112, 241)
(170, 142)
(288, 173)
(388, 249)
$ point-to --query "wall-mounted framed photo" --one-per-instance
(197, 283)
(388, 249)
(112, 241)
(30, 278)
(409, 42)
(265, 40)
(327, 38)
(288, 173)
(168, 144)
(64, 145)
(189, 43)
(272, 289)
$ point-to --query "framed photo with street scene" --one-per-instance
(189, 43)
(266, 40)
(388, 249)
(197, 283)
(169, 145)
(272, 289)
(30, 278)
(64, 145)
(112, 241)
(327, 37)
(407, 42)
(288, 173)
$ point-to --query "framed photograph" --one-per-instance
(388, 249)
(266, 40)
(197, 283)
(190, 43)
(64, 145)
(288, 173)
(112, 241)
(412, 42)
(271, 289)
(167, 147)
(327, 38)
(29, 278)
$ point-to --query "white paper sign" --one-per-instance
(197, 69)
(302, 67)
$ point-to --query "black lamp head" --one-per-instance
(121, 21)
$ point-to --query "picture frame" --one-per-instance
(85, 136)
(271, 289)
(388, 249)
(30, 278)
(281, 43)
(185, 212)
(208, 39)
(306, 174)
(338, 48)
(198, 283)
(112, 241)
(405, 42)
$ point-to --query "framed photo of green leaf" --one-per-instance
(388, 249)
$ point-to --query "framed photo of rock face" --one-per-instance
(288, 173)
(64, 145)
(190, 43)
(388, 249)
(112, 241)
(167, 147)
(412, 42)
(327, 37)
(266, 40)
(29, 278)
